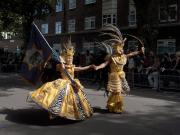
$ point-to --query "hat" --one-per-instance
(68, 49)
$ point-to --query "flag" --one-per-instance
(37, 53)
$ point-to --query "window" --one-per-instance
(58, 5)
(44, 28)
(109, 19)
(7, 35)
(89, 1)
(163, 14)
(168, 13)
(166, 45)
(132, 14)
(58, 28)
(89, 23)
(71, 25)
(72, 4)
(132, 18)
(172, 13)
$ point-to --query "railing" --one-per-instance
(167, 80)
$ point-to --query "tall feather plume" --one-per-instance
(107, 47)
(114, 29)
(110, 35)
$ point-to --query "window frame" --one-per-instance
(131, 22)
(166, 44)
(175, 19)
(46, 27)
(59, 5)
(90, 20)
(168, 17)
(111, 17)
(87, 2)
(72, 4)
(71, 25)
(57, 29)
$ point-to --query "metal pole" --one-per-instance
(55, 53)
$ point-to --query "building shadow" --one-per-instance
(149, 93)
(31, 116)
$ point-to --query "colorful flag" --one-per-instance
(37, 53)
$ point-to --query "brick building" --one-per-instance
(81, 19)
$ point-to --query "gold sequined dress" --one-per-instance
(116, 83)
(60, 98)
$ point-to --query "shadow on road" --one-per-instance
(100, 110)
(149, 93)
(5, 94)
(33, 116)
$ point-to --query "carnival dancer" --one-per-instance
(64, 97)
(117, 83)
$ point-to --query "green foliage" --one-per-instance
(17, 15)
(147, 20)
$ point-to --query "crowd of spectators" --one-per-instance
(9, 61)
(149, 69)
(156, 69)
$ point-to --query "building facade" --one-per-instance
(81, 20)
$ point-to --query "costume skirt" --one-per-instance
(115, 102)
(60, 98)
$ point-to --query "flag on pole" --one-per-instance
(37, 53)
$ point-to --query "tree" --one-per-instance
(147, 20)
(17, 15)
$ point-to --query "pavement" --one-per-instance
(147, 112)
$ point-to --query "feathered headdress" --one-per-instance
(110, 35)
(68, 49)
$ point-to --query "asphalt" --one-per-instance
(147, 112)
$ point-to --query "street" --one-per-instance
(147, 112)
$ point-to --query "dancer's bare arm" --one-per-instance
(83, 68)
(103, 65)
(136, 52)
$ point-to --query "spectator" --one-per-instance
(177, 64)
(166, 61)
(153, 75)
(88, 57)
(166, 66)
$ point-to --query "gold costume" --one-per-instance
(61, 97)
(112, 40)
(116, 83)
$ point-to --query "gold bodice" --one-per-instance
(69, 69)
(117, 63)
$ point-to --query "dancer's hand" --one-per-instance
(143, 50)
(94, 67)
